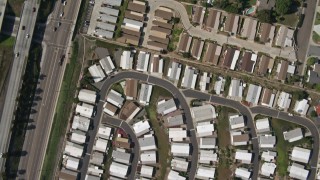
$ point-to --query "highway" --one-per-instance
(55, 45)
(21, 49)
(246, 114)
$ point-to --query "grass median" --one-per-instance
(159, 131)
(62, 113)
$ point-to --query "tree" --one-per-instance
(299, 95)
(313, 114)
(265, 16)
(283, 6)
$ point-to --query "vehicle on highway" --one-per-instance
(61, 14)
(65, 3)
(23, 27)
(55, 29)
(59, 24)
(27, 36)
(91, 2)
(17, 54)
(34, 9)
(62, 59)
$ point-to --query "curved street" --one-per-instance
(175, 92)
(221, 39)
(180, 95)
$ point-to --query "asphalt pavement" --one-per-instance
(55, 45)
(176, 93)
(21, 50)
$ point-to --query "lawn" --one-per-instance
(177, 30)
(160, 131)
(189, 9)
(117, 87)
(224, 141)
(14, 7)
(6, 56)
(282, 146)
(64, 107)
(289, 20)
(316, 37)
(121, 17)
(317, 20)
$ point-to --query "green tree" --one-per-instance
(265, 16)
(283, 6)
(299, 95)
(313, 114)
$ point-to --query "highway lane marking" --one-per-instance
(54, 64)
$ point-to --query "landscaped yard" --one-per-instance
(159, 131)
(290, 20)
(224, 142)
(122, 10)
(316, 37)
(177, 30)
(283, 147)
(317, 20)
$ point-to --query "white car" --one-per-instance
(65, 3)
(61, 14)
(27, 36)
(17, 54)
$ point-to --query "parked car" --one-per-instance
(62, 59)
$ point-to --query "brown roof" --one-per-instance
(184, 44)
(241, 138)
(164, 14)
(131, 88)
(160, 40)
(229, 22)
(66, 176)
(162, 24)
(128, 108)
(266, 96)
(131, 39)
(157, 45)
(197, 14)
(122, 144)
(131, 32)
(155, 63)
(161, 29)
(228, 57)
(247, 64)
(283, 70)
(211, 18)
(265, 32)
(130, 15)
(265, 64)
(196, 47)
(138, 7)
(111, 107)
(213, 53)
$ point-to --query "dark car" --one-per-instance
(55, 29)
(23, 27)
(34, 9)
(62, 59)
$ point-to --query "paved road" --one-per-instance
(57, 44)
(22, 45)
(301, 121)
(244, 111)
(221, 39)
(176, 93)
(304, 33)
